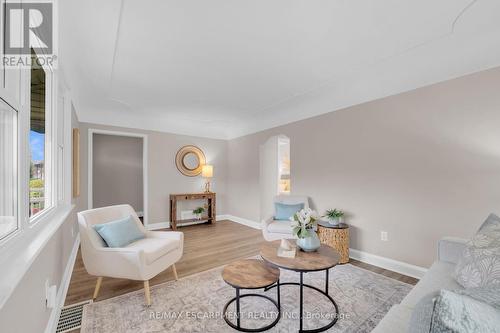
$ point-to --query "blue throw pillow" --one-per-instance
(119, 233)
(284, 211)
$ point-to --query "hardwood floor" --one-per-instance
(205, 247)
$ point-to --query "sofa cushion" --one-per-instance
(479, 264)
(458, 313)
(395, 321)
(155, 248)
(282, 227)
(437, 277)
(421, 316)
(450, 249)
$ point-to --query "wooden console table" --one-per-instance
(210, 211)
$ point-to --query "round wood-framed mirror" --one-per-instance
(189, 160)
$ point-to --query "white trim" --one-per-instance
(240, 220)
(166, 225)
(144, 137)
(157, 226)
(387, 263)
(63, 289)
(222, 217)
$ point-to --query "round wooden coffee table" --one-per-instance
(251, 274)
(322, 260)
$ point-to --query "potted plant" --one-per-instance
(303, 223)
(334, 216)
(198, 212)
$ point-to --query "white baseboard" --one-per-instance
(390, 264)
(166, 225)
(223, 217)
(240, 220)
(157, 226)
(63, 288)
(387, 263)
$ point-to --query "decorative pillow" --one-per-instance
(119, 233)
(421, 316)
(489, 294)
(492, 222)
(284, 211)
(479, 264)
(462, 314)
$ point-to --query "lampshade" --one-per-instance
(207, 171)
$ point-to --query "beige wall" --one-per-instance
(117, 171)
(163, 176)
(25, 310)
(419, 165)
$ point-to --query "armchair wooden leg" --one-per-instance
(175, 272)
(147, 293)
(97, 287)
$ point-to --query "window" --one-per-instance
(39, 182)
(8, 171)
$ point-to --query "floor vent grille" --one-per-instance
(71, 317)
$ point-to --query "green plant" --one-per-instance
(198, 210)
(36, 183)
(334, 214)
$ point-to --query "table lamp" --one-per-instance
(207, 172)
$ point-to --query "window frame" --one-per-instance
(11, 234)
(50, 158)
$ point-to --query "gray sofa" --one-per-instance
(438, 277)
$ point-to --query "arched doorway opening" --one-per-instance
(275, 177)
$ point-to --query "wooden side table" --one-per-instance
(336, 236)
(251, 274)
(210, 214)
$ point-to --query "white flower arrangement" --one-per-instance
(303, 221)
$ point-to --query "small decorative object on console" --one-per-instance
(334, 216)
(286, 249)
(303, 223)
(198, 212)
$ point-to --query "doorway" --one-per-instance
(118, 170)
(274, 173)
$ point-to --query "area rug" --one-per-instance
(195, 303)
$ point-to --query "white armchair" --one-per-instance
(276, 229)
(140, 260)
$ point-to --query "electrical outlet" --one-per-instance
(383, 236)
(50, 295)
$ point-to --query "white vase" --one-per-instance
(335, 221)
(310, 243)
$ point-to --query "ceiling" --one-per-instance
(225, 68)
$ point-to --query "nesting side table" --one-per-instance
(336, 236)
(251, 274)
